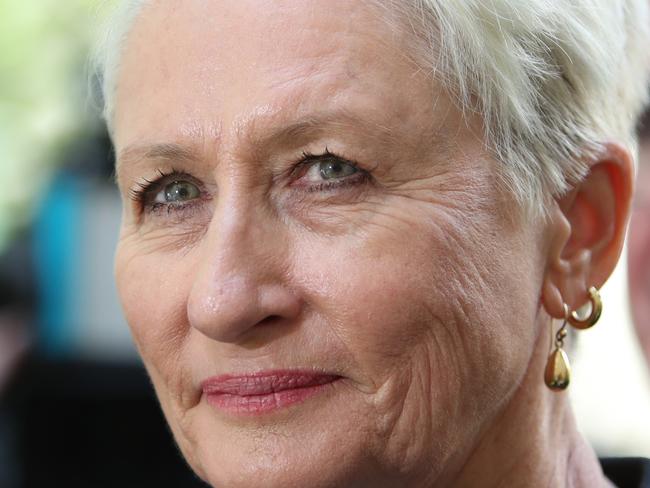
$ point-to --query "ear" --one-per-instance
(587, 230)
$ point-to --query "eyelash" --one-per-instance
(144, 191)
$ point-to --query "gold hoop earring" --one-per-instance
(596, 310)
(557, 373)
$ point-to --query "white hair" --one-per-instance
(552, 79)
(108, 51)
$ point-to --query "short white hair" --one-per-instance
(552, 79)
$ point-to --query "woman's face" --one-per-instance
(304, 207)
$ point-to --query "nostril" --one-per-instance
(270, 320)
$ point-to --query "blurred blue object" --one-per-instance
(56, 243)
(74, 237)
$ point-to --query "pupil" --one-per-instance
(178, 191)
(332, 169)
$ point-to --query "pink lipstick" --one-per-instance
(263, 392)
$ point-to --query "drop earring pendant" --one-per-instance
(557, 373)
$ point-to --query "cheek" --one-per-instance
(153, 288)
(436, 319)
(448, 284)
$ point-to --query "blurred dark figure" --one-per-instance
(16, 305)
(639, 244)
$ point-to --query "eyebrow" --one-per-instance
(158, 151)
(271, 136)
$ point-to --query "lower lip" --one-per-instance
(252, 404)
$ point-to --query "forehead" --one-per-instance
(195, 67)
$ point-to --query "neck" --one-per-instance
(533, 441)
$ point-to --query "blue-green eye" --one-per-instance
(333, 169)
(178, 192)
(329, 169)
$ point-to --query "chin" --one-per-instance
(327, 441)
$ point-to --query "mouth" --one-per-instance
(264, 392)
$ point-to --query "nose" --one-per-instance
(241, 283)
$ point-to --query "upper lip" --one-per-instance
(264, 382)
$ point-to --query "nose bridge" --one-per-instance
(240, 234)
(240, 281)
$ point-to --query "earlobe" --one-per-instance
(552, 298)
(587, 227)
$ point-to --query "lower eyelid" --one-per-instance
(163, 210)
(324, 186)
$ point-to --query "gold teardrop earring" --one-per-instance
(557, 373)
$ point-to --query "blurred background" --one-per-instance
(76, 407)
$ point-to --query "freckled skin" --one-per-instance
(406, 286)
